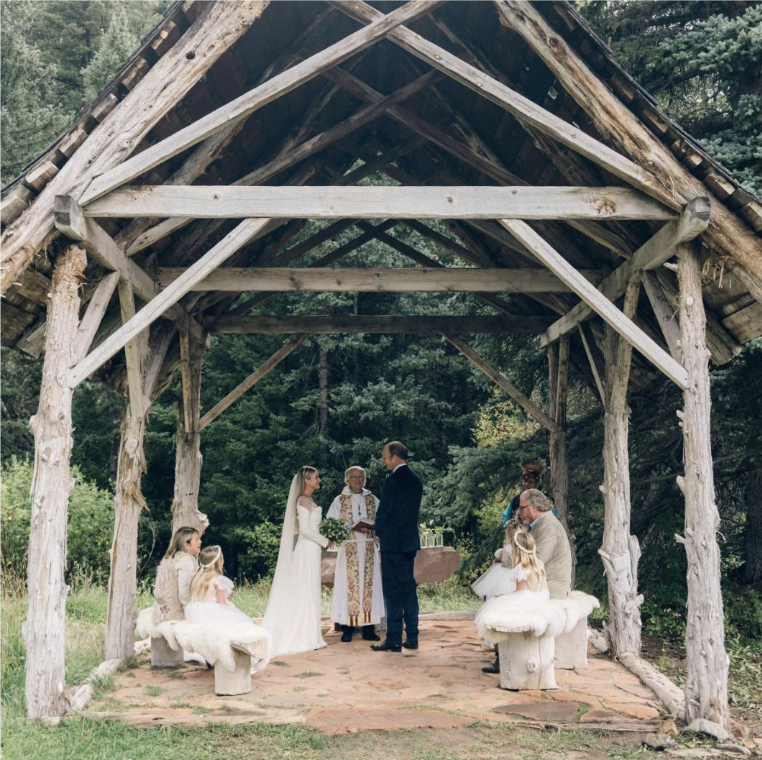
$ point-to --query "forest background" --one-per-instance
(337, 399)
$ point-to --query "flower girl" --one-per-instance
(501, 577)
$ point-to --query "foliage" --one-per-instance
(91, 520)
(702, 61)
(335, 530)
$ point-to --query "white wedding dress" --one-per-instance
(293, 610)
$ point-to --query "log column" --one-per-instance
(620, 551)
(188, 459)
(706, 683)
(45, 626)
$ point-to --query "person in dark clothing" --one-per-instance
(397, 531)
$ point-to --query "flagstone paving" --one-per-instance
(347, 688)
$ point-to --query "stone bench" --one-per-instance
(232, 649)
(534, 639)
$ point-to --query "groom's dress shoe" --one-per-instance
(410, 644)
(385, 646)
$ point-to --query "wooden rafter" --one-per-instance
(254, 99)
(523, 108)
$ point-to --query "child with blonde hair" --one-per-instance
(211, 592)
(500, 578)
(530, 576)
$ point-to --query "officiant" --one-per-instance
(358, 599)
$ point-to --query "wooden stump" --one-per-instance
(571, 648)
(44, 628)
(527, 662)
(237, 682)
(163, 656)
(706, 682)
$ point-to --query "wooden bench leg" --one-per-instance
(237, 682)
(571, 648)
(527, 662)
(163, 656)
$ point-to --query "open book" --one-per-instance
(363, 524)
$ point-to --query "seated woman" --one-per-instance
(173, 577)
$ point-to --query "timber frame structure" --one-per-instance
(181, 186)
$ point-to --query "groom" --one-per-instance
(397, 530)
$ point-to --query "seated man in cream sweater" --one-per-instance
(535, 511)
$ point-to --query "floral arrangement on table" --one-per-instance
(335, 530)
(431, 535)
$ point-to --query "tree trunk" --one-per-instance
(188, 458)
(128, 505)
(706, 683)
(620, 551)
(753, 535)
(44, 630)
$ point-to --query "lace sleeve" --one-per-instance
(305, 527)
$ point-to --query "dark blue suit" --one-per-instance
(397, 530)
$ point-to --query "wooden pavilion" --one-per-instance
(182, 184)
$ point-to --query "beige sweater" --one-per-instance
(554, 550)
(172, 588)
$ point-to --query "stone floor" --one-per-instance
(347, 688)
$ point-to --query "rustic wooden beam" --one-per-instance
(302, 151)
(524, 109)
(158, 305)
(254, 99)
(159, 342)
(132, 351)
(222, 202)
(597, 301)
(665, 315)
(391, 280)
(315, 325)
(621, 127)
(596, 368)
(251, 380)
(216, 28)
(654, 252)
(94, 315)
(499, 379)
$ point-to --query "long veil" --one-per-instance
(278, 607)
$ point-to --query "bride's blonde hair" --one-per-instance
(511, 529)
(210, 564)
(525, 554)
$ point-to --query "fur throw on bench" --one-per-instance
(512, 613)
(214, 643)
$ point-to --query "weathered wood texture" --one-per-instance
(522, 108)
(254, 99)
(619, 125)
(44, 630)
(128, 505)
(655, 251)
(393, 280)
(670, 695)
(706, 682)
(664, 313)
(157, 306)
(250, 381)
(599, 303)
(499, 379)
(558, 385)
(215, 29)
(375, 324)
(620, 551)
(94, 315)
(188, 458)
(288, 202)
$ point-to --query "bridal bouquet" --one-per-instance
(334, 530)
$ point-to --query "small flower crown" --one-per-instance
(521, 548)
(214, 561)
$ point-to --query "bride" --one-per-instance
(293, 610)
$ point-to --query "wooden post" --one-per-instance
(188, 457)
(706, 683)
(45, 626)
(558, 361)
(620, 551)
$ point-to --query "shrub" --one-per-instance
(90, 526)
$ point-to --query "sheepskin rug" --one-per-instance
(214, 643)
(515, 613)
